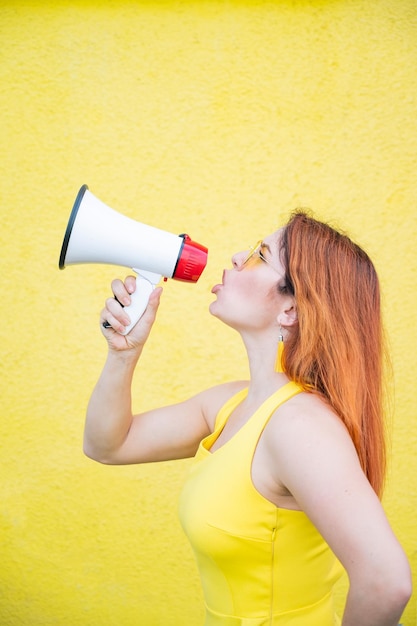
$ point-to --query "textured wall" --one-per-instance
(214, 118)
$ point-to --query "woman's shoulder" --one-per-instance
(306, 438)
(306, 415)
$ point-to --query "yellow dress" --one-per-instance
(259, 565)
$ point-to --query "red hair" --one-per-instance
(336, 348)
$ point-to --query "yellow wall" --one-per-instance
(214, 118)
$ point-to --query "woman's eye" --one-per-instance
(261, 256)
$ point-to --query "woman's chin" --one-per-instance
(212, 307)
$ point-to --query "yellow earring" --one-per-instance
(280, 351)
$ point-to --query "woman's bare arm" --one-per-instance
(315, 460)
(112, 433)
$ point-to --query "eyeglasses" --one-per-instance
(257, 251)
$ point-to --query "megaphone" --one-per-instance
(97, 233)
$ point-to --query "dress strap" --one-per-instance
(252, 430)
(228, 407)
(280, 396)
(261, 416)
(283, 394)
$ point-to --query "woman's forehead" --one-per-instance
(274, 238)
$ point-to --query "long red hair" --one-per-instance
(336, 349)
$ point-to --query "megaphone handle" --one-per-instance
(145, 284)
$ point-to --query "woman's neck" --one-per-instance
(264, 380)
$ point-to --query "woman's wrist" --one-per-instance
(123, 358)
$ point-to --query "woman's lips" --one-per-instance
(219, 286)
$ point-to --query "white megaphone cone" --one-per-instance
(98, 234)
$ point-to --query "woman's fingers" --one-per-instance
(114, 319)
(122, 290)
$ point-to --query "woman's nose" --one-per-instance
(238, 260)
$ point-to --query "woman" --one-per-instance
(289, 465)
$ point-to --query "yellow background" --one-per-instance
(212, 118)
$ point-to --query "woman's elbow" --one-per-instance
(390, 587)
(400, 590)
(94, 453)
(395, 599)
(403, 582)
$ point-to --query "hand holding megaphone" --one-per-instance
(145, 284)
(97, 234)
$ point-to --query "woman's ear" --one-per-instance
(288, 316)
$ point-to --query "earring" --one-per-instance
(280, 351)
